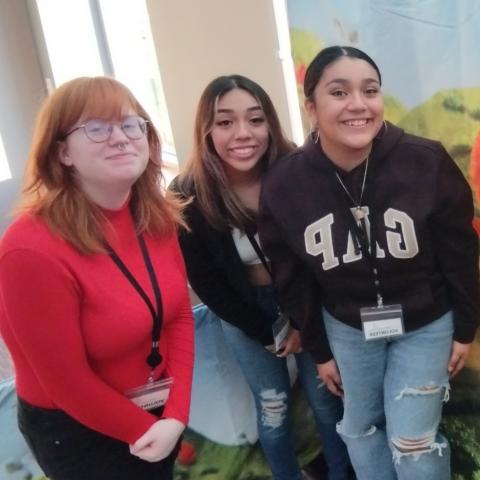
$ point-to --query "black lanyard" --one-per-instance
(364, 240)
(154, 358)
(259, 252)
(263, 259)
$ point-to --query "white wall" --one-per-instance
(197, 40)
(21, 92)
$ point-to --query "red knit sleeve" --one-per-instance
(41, 303)
(178, 332)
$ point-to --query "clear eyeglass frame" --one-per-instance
(98, 130)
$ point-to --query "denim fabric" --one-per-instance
(67, 450)
(393, 395)
(268, 378)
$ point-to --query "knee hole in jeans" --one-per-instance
(366, 433)
(274, 407)
(429, 389)
(417, 446)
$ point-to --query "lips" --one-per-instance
(244, 151)
(120, 156)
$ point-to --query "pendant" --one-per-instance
(358, 213)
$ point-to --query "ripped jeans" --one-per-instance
(268, 378)
(393, 395)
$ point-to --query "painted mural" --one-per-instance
(431, 82)
(428, 54)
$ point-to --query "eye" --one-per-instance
(96, 126)
(257, 120)
(372, 91)
(223, 123)
(130, 123)
(339, 93)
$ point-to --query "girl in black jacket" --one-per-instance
(237, 136)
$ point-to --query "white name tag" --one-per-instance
(382, 322)
(280, 330)
(151, 395)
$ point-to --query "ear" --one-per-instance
(63, 153)
(311, 111)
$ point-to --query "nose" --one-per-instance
(357, 101)
(118, 135)
(243, 130)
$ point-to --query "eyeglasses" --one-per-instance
(98, 130)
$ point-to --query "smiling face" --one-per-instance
(347, 108)
(240, 133)
(112, 165)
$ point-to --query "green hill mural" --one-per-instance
(450, 116)
(394, 109)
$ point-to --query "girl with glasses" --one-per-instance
(94, 305)
(237, 137)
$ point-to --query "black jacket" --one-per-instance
(420, 213)
(218, 276)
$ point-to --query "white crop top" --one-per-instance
(247, 253)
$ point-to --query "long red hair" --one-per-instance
(50, 190)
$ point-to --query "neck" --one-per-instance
(347, 159)
(247, 189)
(243, 180)
(108, 197)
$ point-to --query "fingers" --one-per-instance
(287, 349)
(291, 345)
(334, 384)
(157, 443)
(456, 364)
(329, 374)
(335, 389)
(141, 443)
(149, 454)
(458, 357)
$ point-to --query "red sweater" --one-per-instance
(79, 333)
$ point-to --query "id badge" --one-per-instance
(280, 330)
(151, 395)
(382, 322)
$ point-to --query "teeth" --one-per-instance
(356, 123)
(243, 150)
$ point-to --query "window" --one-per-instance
(107, 37)
(5, 172)
(70, 39)
(134, 60)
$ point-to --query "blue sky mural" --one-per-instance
(421, 46)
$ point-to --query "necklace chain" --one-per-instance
(358, 205)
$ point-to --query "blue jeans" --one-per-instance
(268, 378)
(393, 395)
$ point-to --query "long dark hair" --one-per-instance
(204, 174)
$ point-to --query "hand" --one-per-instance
(330, 375)
(458, 357)
(292, 344)
(158, 441)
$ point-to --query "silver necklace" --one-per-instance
(358, 213)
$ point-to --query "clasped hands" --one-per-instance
(158, 441)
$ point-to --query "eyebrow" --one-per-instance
(345, 81)
(230, 110)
